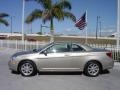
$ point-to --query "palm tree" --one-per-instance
(2, 20)
(59, 10)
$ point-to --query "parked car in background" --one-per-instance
(62, 56)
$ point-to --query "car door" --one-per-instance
(77, 56)
(57, 58)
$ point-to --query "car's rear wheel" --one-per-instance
(27, 68)
(92, 69)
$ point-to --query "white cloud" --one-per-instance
(69, 29)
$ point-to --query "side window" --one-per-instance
(76, 48)
(59, 48)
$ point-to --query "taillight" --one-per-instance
(109, 54)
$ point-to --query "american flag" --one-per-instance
(81, 23)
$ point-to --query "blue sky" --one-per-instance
(106, 9)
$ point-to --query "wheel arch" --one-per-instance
(101, 67)
(24, 61)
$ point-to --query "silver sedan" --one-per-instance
(62, 56)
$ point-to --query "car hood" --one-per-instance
(23, 53)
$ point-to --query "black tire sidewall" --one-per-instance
(86, 69)
(34, 68)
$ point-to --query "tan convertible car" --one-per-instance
(62, 56)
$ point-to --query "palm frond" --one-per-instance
(70, 16)
(58, 13)
(46, 15)
(2, 15)
(34, 15)
(3, 21)
(46, 4)
(64, 4)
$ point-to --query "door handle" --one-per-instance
(67, 55)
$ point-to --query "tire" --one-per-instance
(27, 68)
(92, 69)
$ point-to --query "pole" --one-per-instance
(23, 11)
(41, 29)
(31, 28)
(118, 23)
(11, 24)
(100, 28)
(86, 29)
(97, 28)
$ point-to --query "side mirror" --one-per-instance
(34, 50)
(45, 53)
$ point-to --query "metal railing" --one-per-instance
(29, 45)
(19, 45)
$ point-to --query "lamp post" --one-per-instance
(23, 11)
(100, 28)
(41, 26)
(97, 23)
(31, 28)
(23, 15)
(11, 27)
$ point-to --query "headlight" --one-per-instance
(12, 60)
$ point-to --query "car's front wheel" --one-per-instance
(27, 68)
(92, 69)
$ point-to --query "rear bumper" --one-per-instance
(109, 64)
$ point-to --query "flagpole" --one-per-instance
(118, 23)
(86, 37)
(23, 13)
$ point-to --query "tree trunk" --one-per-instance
(51, 31)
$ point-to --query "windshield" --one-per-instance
(42, 47)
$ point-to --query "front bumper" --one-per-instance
(13, 65)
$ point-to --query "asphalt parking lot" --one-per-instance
(56, 81)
